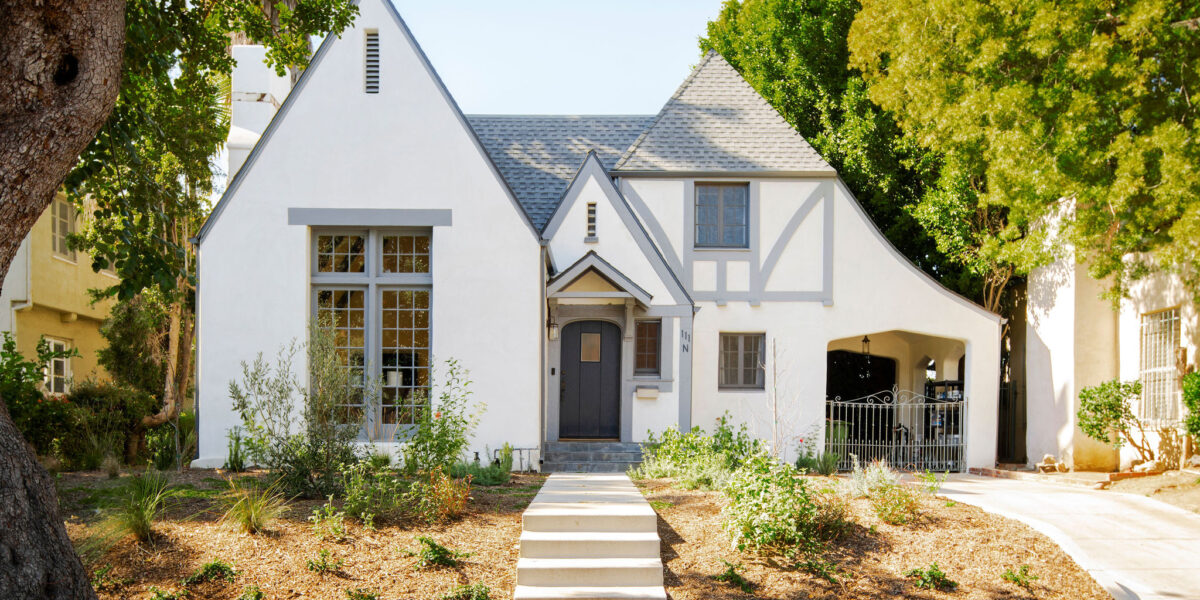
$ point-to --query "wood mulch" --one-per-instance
(191, 535)
(1181, 488)
(972, 547)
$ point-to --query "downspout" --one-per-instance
(195, 241)
(543, 310)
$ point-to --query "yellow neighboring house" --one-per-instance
(45, 294)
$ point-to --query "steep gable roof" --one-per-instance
(717, 123)
(539, 154)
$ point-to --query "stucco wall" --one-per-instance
(861, 286)
(406, 147)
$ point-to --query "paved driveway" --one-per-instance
(1133, 546)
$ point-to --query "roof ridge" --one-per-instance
(662, 111)
(561, 116)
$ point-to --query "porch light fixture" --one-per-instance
(552, 330)
(866, 345)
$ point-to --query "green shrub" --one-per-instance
(731, 576)
(1022, 577)
(931, 578)
(379, 459)
(308, 462)
(252, 592)
(1191, 401)
(773, 511)
(490, 475)
(322, 563)
(433, 554)
(235, 456)
(40, 418)
(328, 522)
(111, 466)
(437, 497)
(361, 594)
(372, 495)
(476, 591)
(157, 594)
(173, 444)
(824, 463)
(110, 420)
(252, 507)
(896, 505)
(932, 482)
(1106, 409)
(696, 460)
(443, 430)
(140, 504)
(214, 570)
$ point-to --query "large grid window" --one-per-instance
(722, 215)
(1159, 375)
(58, 371)
(345, 312)
(647, 341)
(62, 224)
(741, 365)
(406, 347)
(373, 288)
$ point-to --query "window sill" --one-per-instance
(591, 239)
(742, 390)
(720, 249)
(57, 256)
(651, 378)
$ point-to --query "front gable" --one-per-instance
(619, 236)
(332, 135)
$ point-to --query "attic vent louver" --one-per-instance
(371, 66)
(591, 222)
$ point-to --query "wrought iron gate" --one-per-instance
(908, 430)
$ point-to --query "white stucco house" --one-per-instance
(1074, 339)
(600, 276)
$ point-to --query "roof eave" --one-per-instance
(819, 173)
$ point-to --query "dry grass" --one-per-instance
(191, 535)
(974, 548)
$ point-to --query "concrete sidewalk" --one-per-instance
(1135, 547)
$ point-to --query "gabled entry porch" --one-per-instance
(594, 332)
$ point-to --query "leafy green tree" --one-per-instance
(133, 86)
(1106, 415)
(794, 53)
(1082, 106)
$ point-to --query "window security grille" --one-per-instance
(1160, 381)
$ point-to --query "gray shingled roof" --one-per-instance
(716, 122)
(539, 154)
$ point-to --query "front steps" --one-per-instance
(590, 457)
(589, 537)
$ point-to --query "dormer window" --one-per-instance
(722, 215)
(371, 63)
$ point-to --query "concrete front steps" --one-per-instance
(589, 537)
(590, 456)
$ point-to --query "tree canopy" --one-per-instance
(795, 54)
(1081, 109)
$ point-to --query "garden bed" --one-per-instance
(276, 561)
(972, 547)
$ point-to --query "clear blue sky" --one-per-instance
(560, 56)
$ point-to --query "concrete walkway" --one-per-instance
(589, 536)
(1135, 547)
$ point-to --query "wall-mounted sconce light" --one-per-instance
(552, 330)
(866, 345)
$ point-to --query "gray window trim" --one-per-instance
(741, 337)
(720, 224)
(373, 282)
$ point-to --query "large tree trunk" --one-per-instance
(60, 71)
(37, 560)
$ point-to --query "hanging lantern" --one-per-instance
(866, 345)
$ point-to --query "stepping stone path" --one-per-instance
(589, 536)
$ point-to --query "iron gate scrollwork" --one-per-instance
(909, 430)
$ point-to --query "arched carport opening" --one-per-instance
(896, 396)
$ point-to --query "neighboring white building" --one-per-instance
(600, 276)
(1076, 339)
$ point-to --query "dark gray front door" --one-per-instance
(590, 396)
